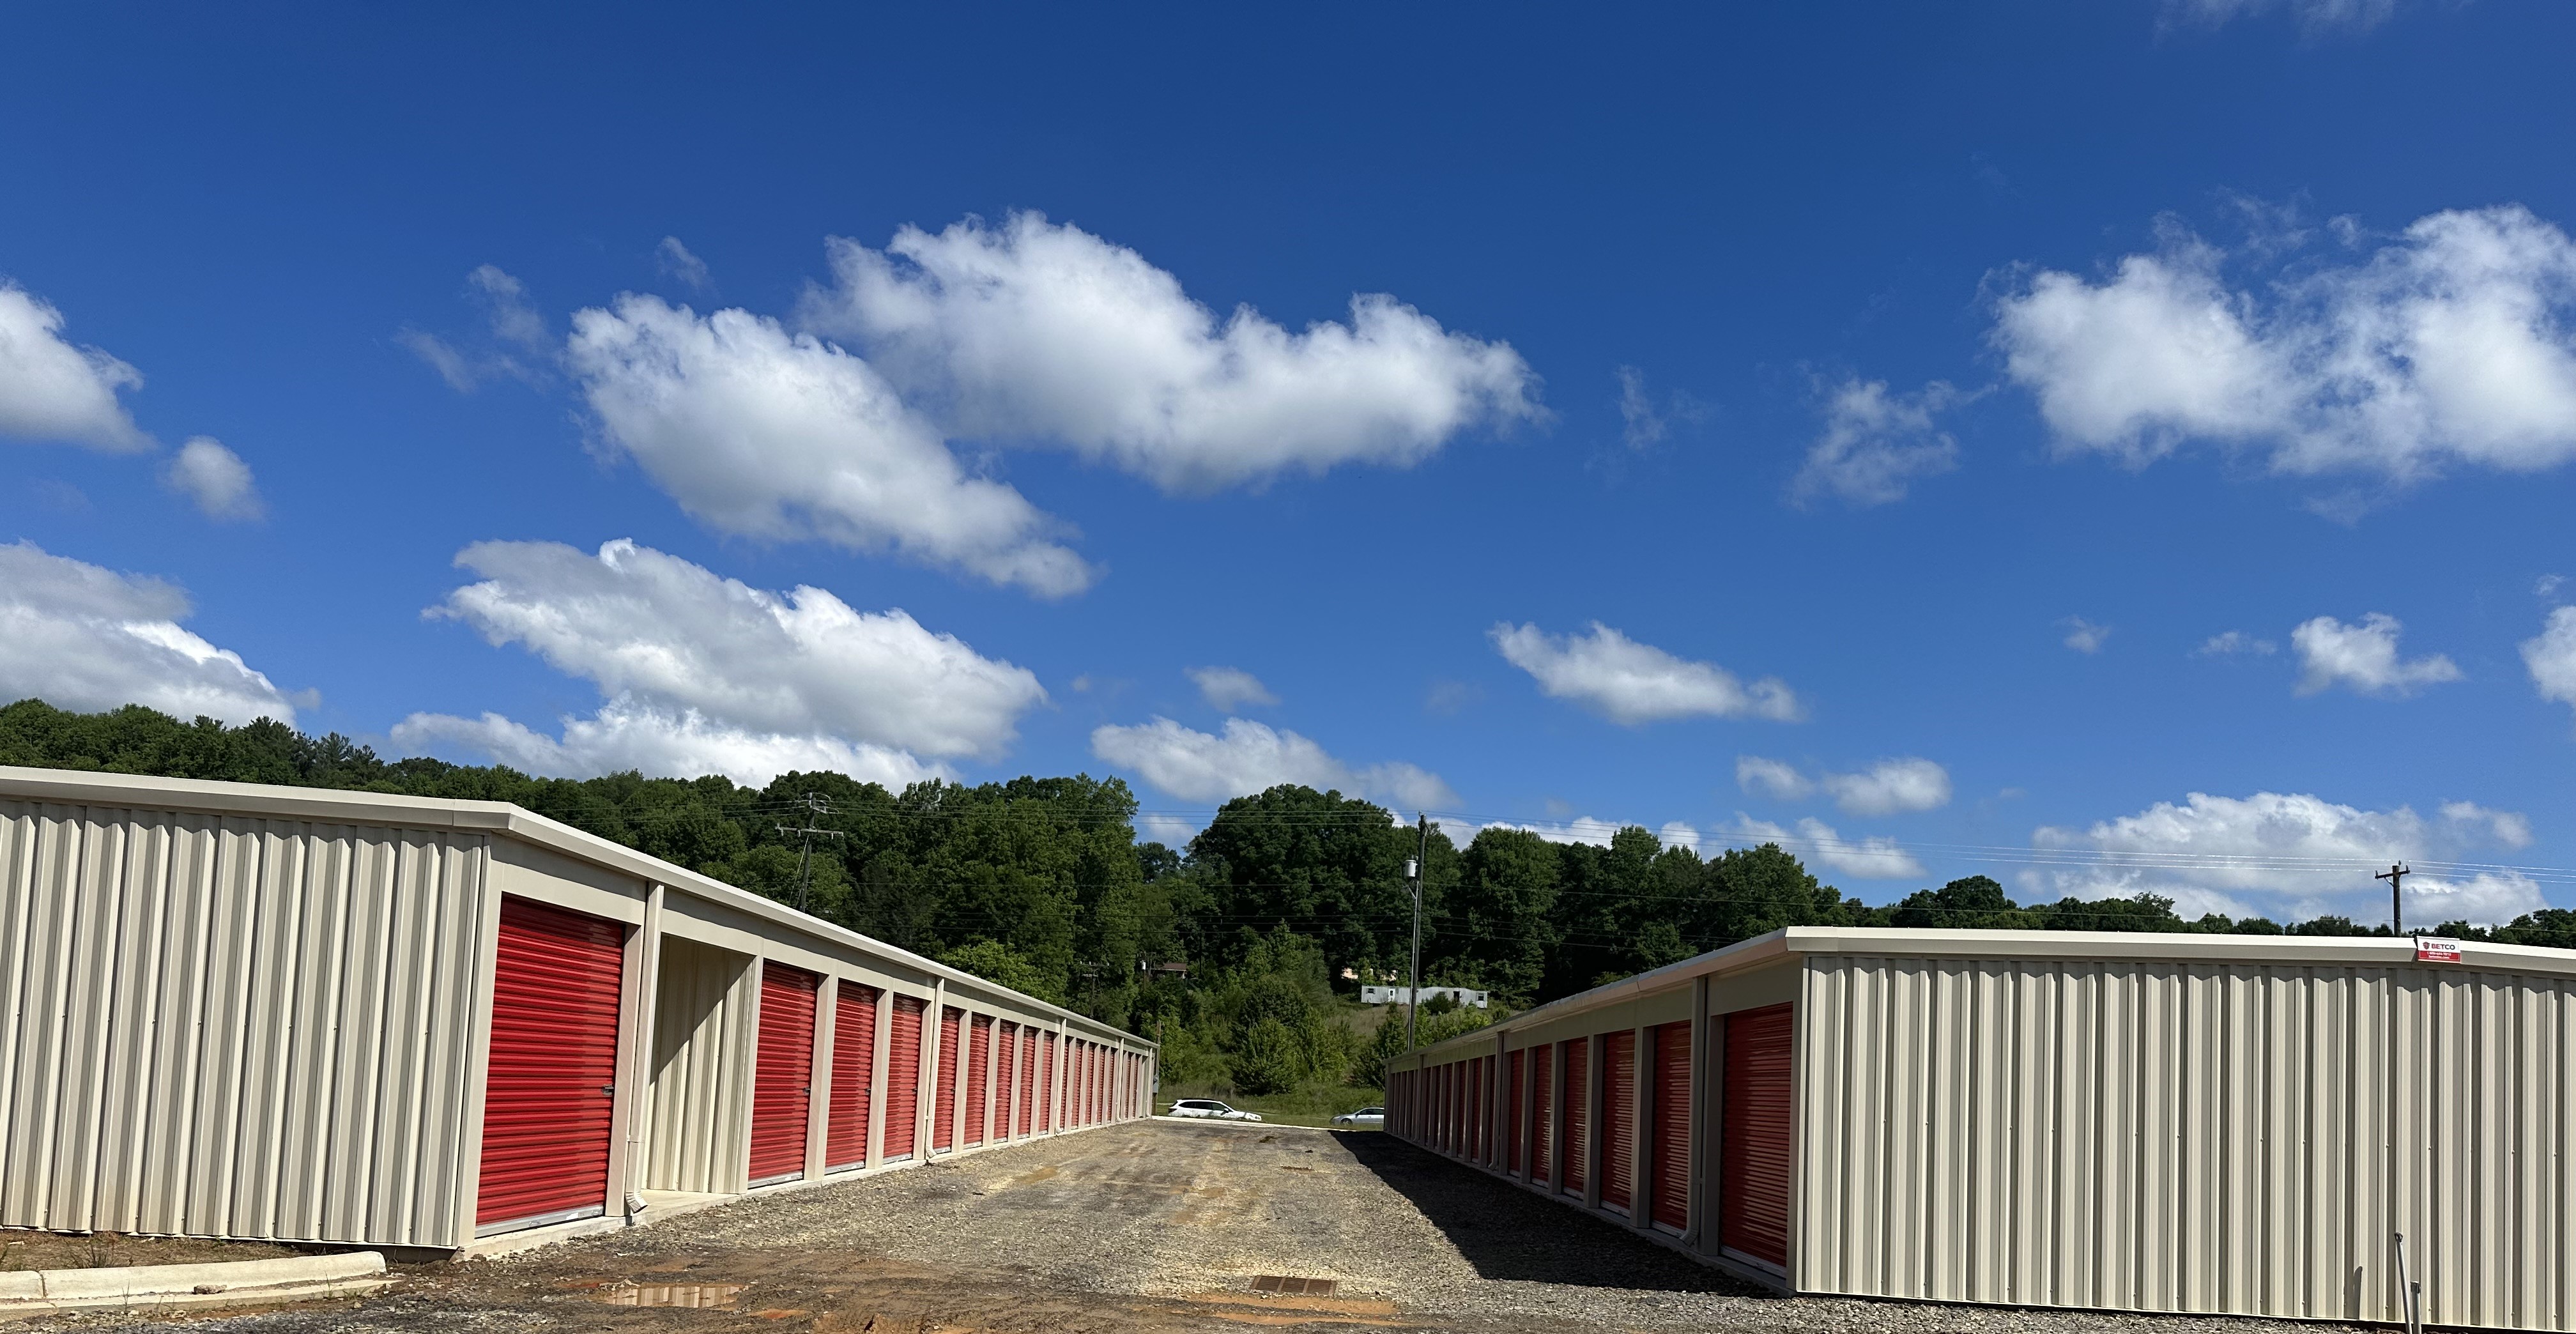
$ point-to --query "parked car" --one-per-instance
(1366, 1116)
(1211, 1109)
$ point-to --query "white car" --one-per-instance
(1366, 1116)
(1211, 1109)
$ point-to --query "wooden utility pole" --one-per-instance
(815, 806)
(2396, 877)
(1413, 979)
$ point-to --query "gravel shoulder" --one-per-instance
(1149, 1226)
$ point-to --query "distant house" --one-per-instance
(1466, 996)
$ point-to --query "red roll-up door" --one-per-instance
(1081, 1085)
(1006, 1065)
(854, 1063)
(1028, 1081)
(943, 1106)
(903, 1078)
(1046, 1081)
(1578, 1114)
(1479, 1107)
(1514, 1088)
(979, 1053)
(1754, 1166)
(1543, 1111)
(1672, 1125)
(782, 1082)
(1619, 1119)
(549, 1091)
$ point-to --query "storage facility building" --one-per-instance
(2181, 1123)
(230, 1010)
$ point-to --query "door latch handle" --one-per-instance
(608, 1090)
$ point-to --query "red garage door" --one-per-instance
(1753, 1163)
(1672, 1126)
(782, 1081)
(1006, 1064)
(943, 1107)
(1578, 1114)
(549, 1092)
(1512, 1091)
(1028, 1081)
(1543, 1105)
(979, 1053)
(903, 1078)
(854, 1063)
(1619, 1119)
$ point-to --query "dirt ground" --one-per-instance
(47, 1250)
(1154, 1227)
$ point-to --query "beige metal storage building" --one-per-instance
(230, 1010)
(2209, 1124)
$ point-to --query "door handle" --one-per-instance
(608, 1090)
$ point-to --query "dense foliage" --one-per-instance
(1277, 911)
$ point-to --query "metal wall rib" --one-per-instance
(233, 1027)
(2187, 1137)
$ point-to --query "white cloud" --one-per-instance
(215, 478)
(1642, 425)
(1036, 332)
(51, 389)
(2448, 345)
(2551, 657)
(626, 734)
(1876, 444)
(2288, 856)
(2084, 636)
(2363, 658)
(784, 437)
(1631, 683)
(2315, 17)
(1230, 688)
(1581, 829)
(511, 320)
(1886, 787)
(2546, 586)
(1171, 831)
(1771, 778)
(1250, 757)
(85, 638)
(2235, 642)
(1872, 858)
(708, 675)
(675, 261)
(2510, 829)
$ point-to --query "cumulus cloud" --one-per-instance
(215, 479)
(2287, 856)
(784, 437)
(1869, 858)
(1886, 787)
(53, 389)
(2233, 643)
(1632, 683)
(2362, 658)
(1043, 333)
(1230, 688)
(1171, 831)
(1876, 444)
(2551, 657)
(703, 674)
(1249, 757)
(81, 637)
(2449, 345)
(2084, 636)
(675, 261)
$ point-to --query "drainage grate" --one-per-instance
(1293, 1287)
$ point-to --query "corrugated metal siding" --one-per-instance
(2188, 1137)
(235, 1027)
(702, 1053)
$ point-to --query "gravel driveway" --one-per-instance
(1154, 1226)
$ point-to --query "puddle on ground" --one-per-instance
(670, 1294)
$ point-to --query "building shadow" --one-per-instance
(1509, 1233)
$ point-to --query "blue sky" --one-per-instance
(1833, 422)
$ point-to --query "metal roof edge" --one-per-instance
(2068, 946)
(83, 787)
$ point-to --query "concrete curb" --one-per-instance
(235, 1283)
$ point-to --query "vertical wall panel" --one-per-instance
(178, 995)
(703, 1048)
(2189, 1137)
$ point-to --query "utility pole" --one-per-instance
(2396, 877)
(815, 808)
(1413, 979)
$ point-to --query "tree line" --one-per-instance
(1242, 952)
